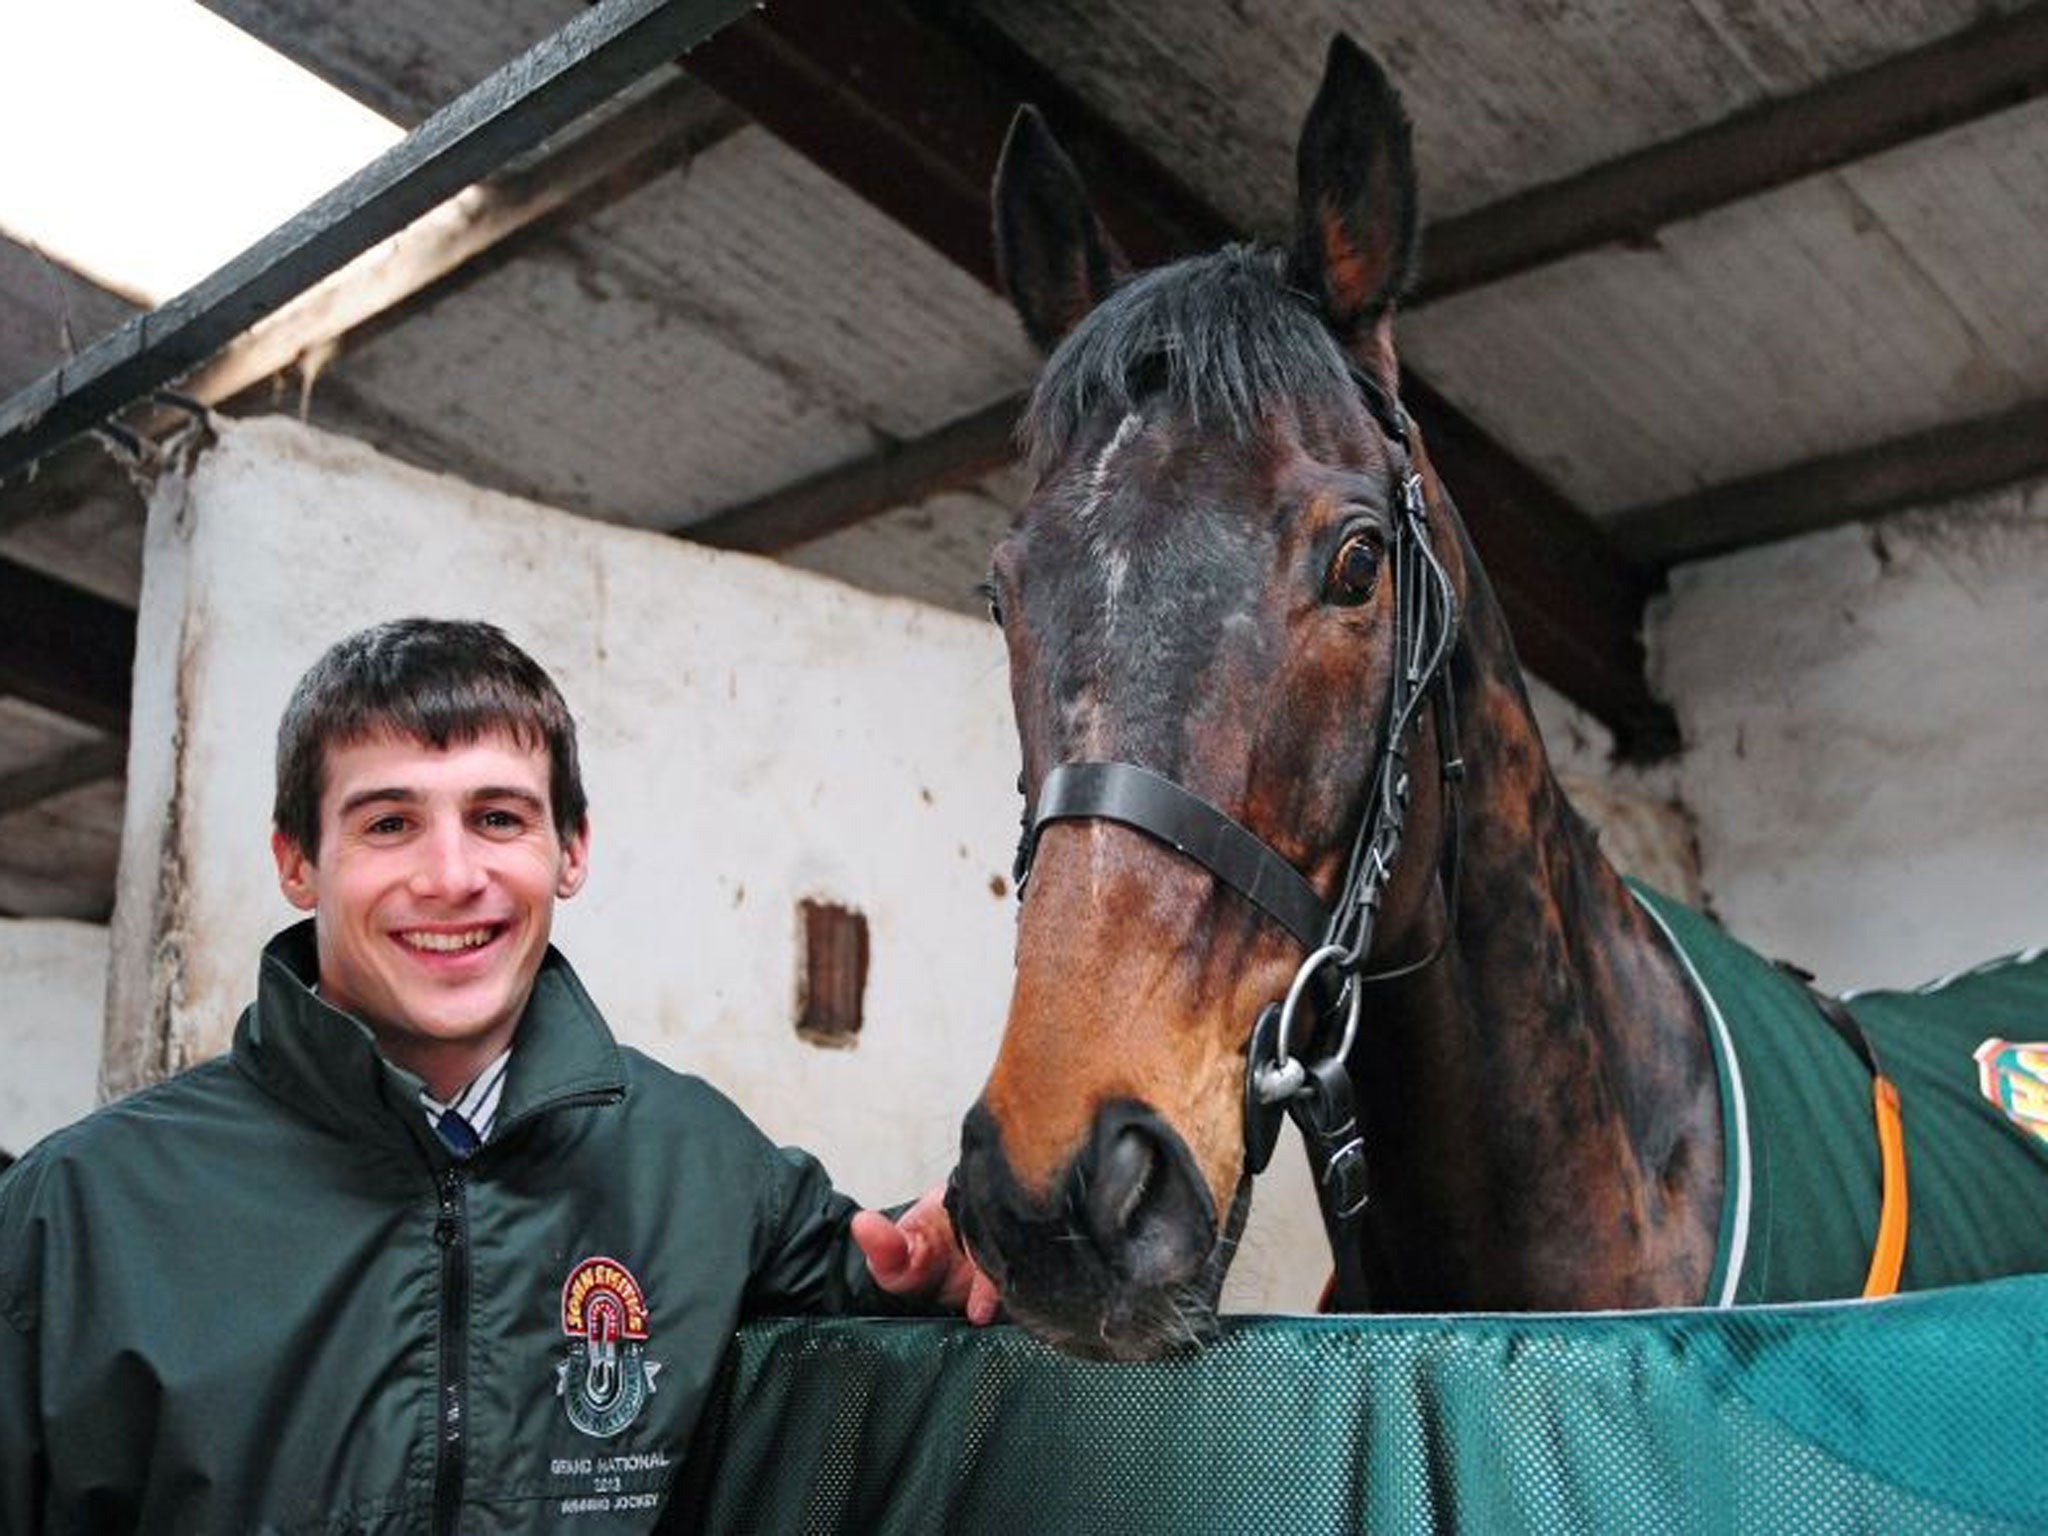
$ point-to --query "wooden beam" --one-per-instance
(911, 116)
(1573, 605)
(89, 762)
(66, 649)
(1920, 469)
(909, 110)
(588, 62)
(1979, 70)
(950, 459)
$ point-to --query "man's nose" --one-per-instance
(448, 864)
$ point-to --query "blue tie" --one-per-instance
(458, 1133)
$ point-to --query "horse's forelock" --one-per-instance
(1221, 336)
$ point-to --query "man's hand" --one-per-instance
(917, 1256)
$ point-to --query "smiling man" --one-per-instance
(428, 1249)
(432, 878)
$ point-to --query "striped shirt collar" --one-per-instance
(478, 1102)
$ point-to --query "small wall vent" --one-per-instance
(832, 973)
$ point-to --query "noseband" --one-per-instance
(1316, 1093)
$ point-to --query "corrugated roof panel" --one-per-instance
(726, 331)
(30, 734)
(1503, 97)
(48, 313)
(1971, 209)
(564, 385)
(1805, 322)
(775, 255)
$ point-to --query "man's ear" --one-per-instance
(575, 861)
(297, 876)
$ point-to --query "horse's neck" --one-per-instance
(1543, 1112)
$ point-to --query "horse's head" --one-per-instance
(1202, 586)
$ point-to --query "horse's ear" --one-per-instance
(1356, 225)
(1052, 256)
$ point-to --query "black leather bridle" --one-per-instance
(1313, 1089)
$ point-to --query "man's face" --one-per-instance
(434, 893)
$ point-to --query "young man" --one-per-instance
(427, 1249)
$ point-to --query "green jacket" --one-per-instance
(261, 1296)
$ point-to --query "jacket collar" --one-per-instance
(325, 1063)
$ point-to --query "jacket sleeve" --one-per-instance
(24, 1459)
(807, 1260)
(24, 1468)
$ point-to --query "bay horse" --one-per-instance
(1292, 840)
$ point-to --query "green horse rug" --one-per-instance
(1811, 1208)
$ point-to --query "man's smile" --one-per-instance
(449, 941)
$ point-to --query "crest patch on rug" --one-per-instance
(2015, 1078)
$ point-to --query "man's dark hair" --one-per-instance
(445, 682)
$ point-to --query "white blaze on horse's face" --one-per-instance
(1116, 559)
(1098, 475)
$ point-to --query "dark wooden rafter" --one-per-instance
(88, 762)
(911, 114)
(506, 116)
(953, 458)
(1982, 69)
(1573, 605)
(66, 649)
(1919, 469)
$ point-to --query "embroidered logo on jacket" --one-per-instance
(2015, 1078)
(607, 1377)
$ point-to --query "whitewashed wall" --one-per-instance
(53, 975)
(752, 735)
(1864, 786)
(1866, 718)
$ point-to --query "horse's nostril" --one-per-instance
(1121, 1183)
(1140, 1200)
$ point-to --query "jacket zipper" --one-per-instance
(451, 1231)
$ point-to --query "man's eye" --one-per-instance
(386, 826)
(985, 589)
(503, 821)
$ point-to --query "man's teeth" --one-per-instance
(447, 943)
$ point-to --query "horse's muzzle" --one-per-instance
(1118, 1258)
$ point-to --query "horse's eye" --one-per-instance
(1355, 571)
(986, 591)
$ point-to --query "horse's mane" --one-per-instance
(1222, 335)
